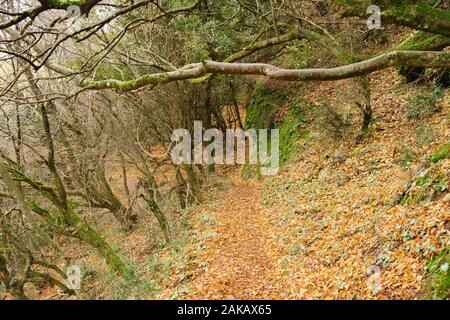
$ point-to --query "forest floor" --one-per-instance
(238, 257)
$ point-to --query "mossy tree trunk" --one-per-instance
(194, 190)
(153, 207)
(70, 224)
(123, 215)
(181, 188)
(67, 222)
(84, 232)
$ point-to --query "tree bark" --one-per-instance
(85, 233)
(429, 59)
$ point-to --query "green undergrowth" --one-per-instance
(438, 276)
(426, 189)
(263, 106)
(425, 103)
(442, 153)
(292, 129)
(432, 184)
(262, 113)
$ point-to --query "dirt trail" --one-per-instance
(239, 262)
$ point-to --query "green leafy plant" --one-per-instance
(426, 189)
(438, 276)
(442, 153)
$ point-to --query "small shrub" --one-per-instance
(441, 154)
(330, 120)
(250, 171)
(441, 77)
(406, 156)
(425, 133)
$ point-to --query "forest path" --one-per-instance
(239, 264)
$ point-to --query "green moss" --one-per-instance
(291, 131)
(442, 153)
(438, 276)
(60, 3)
(422, 181)
(345, 59)
(261, 114)
(265, 101)
(423, 41)
(63, 4)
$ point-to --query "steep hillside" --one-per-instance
(344, 206)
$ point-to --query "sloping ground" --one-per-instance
(335, 213)
(337, 207)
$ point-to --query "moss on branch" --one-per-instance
(391, 59)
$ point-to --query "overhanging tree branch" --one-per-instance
(429, 59)
(85, 5)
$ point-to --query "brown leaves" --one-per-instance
(238, 262)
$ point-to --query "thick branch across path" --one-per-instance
(427, 59)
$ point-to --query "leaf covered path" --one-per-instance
(238, 263)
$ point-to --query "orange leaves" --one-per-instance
(239, 261)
